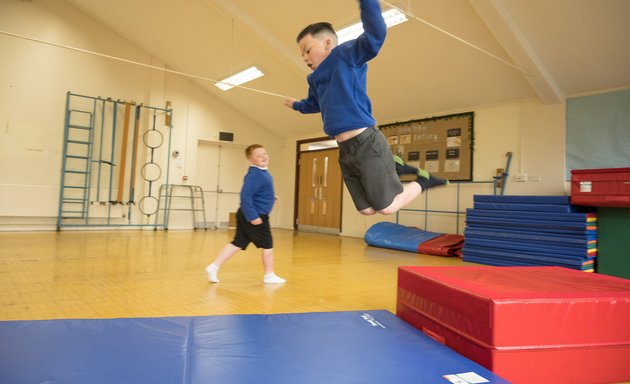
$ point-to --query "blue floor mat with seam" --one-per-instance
(361, 347)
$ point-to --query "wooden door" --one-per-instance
(319, 191)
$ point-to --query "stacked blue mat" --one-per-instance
(530, 230)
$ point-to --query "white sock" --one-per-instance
(272, 278)
(212, 271)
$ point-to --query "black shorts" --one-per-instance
(369, 171)
(247, 232)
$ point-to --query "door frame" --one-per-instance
(296, 202)
(220, 145)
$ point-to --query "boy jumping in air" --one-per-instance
(337, 89)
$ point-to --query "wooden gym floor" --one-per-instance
(77, 274)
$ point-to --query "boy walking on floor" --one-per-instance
(337, 89)
(252, 218)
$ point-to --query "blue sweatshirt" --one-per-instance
(257, 195)
(337, 88)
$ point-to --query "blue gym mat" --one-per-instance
(560, 251)
(546, 216)
(495, 222)
(396, 236)
(508, 262)
(523, 199)
(530, 230)
(477, 254)
(539, 238)
(328, 347)
(527, 207)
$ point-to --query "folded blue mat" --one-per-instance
(530, 230)
(576, 252)
(515, 262)
(524, 199)
(504, 260)
(586, 234)
(547, 258)
(530, 237)
(396, 236)
(527, 224)
(545, 216)
(528, 207)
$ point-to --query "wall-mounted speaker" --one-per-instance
(226, 136)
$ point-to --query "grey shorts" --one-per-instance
(369, 171)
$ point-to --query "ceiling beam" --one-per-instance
(260, 32)
(509, 35)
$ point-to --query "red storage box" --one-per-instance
(527, 324)
(606, 187)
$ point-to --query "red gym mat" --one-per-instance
(527, 324)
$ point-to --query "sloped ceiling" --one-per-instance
(554, 48)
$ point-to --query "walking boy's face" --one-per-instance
(315, 49)
(259, 157)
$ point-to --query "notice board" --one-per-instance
(443, 145)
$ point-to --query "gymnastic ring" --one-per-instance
(160, 138)
(145, 170)
(143, 202)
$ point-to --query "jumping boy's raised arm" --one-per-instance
(369, 43)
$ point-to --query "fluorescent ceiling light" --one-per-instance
(249, 74)
(392, 17)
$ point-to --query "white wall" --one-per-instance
(34, 79)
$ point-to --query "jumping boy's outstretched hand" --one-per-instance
(289, 102)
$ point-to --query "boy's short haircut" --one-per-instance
(251, 148)
(315, 29)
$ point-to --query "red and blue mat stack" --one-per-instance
(530, 231)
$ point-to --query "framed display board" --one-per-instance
(442, 145)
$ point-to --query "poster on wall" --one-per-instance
(432, 163)
(443, 145)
